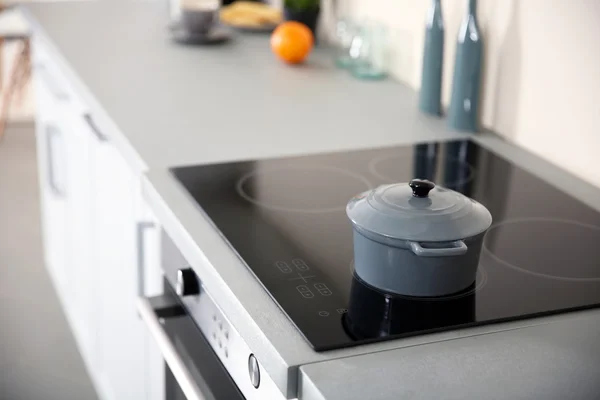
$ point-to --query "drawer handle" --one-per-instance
(94, 128)
(52, 135)
(142, 227)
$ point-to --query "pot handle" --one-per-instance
(455, 248)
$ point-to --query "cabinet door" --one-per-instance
(82, 292)
(54, 191)
(121, 337)
(150, 285)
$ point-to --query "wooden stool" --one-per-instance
(19, 74)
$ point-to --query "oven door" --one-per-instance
(193, 370)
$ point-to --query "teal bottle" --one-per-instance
(433, 60)
(464, 102)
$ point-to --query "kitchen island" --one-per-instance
(121, 104)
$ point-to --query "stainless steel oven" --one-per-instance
(193, 371)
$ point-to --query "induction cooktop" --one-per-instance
(286, 220)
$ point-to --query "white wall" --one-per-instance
(541, 84)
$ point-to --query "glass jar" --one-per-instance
(369, 51)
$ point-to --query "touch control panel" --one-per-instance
(308, 284)
(308, 296)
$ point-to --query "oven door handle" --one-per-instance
(167, 348)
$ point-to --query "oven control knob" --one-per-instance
(187, 282)
(254, 371)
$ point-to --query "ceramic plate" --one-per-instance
(218, 35)
(254, 29)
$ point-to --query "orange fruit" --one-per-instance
(292, 42)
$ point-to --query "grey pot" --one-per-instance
(417, 239)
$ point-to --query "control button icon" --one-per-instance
(300, 264)
(342, 310)
(303, 278)
(323, 313)
(323, 289)
(305, 291)
(283, 267)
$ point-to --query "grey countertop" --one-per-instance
(172, 105)
(178, 105)
(553, 361)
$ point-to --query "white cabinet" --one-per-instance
(51, 150)
(66, 193)
(150, 285)
(101, 241)
(81, 295)
(116, 239)
(126, 254)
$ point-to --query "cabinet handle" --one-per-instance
(142, 227)
(90, 121)
(52, 133)
(51, 83)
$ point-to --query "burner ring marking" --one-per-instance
(240, 190)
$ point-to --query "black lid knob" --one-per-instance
(421, 187)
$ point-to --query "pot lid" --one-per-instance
(420, 211)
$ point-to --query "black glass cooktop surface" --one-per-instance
(286, 219)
